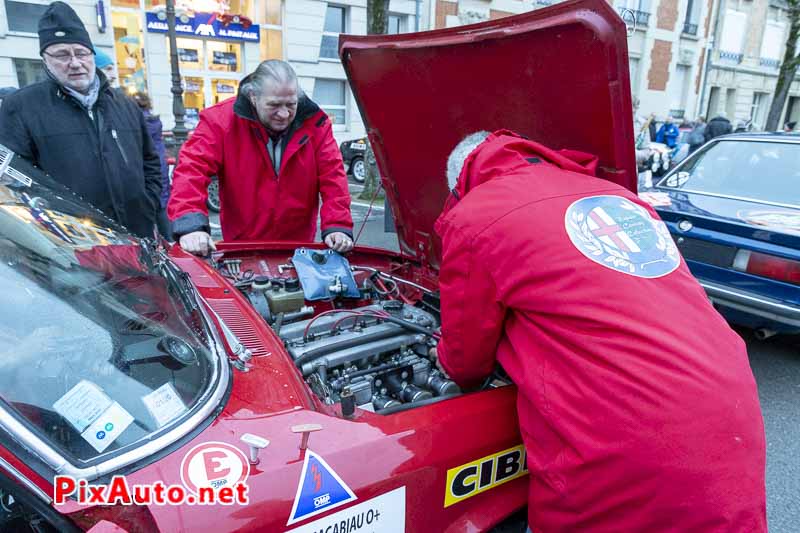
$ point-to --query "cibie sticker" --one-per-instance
(383, 514)
(478, 476)
(319, 490)
(214, 465)
(621, 235)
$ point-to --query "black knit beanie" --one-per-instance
(60, 24)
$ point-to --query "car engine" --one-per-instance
(374, 357)
(377, 354)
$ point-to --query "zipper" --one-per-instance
(121, 151)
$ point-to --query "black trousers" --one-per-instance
(164, 225)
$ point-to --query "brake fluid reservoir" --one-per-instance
(286, 298)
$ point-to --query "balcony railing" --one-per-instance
(769, 63)
(689, 28)
(731, 56)
(642, 18)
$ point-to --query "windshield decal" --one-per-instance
(618, 234)
(678, 179)
(108, 427)
(83, 404)
(164, 404)
(93, 414)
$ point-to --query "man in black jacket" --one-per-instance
(84, 134)
(717, 126)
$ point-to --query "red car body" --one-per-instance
(545, 74)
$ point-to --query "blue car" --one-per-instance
(733, 208)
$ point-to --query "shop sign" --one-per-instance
(206, 25)
(225, 58)
(191, 87)
(188, 54)
(225, 88)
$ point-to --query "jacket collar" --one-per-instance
(105, 87)
(306, 108)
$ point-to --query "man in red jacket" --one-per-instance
(273, 151)
(636, 401)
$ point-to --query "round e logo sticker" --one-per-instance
(214, 465)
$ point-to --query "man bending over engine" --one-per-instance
(636, 401)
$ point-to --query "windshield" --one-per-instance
(754, 170)
(96, 354)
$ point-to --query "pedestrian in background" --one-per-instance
(155, 129)
(106, 65)
(641, 129)
(668, 133)
(5, 92)
(789, 127)
(697, 135)
(76, 128)
(717, 126)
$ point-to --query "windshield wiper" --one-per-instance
(155, 259)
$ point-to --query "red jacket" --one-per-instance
(257, 204)
(637, 405)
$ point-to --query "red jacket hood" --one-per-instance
(502, 152)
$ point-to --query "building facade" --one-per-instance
(749, 43)
(218, 43)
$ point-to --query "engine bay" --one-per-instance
(361, 336)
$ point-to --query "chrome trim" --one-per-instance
(30, 485)
(729, 197)
(753, 304)
(34, 444)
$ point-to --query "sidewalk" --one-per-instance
(355, 191)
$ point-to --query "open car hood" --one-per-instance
(558, 75)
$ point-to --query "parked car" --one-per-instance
(213, 195)
(306, 380)
(353, 154)
(733, 207)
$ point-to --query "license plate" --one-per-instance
(358, 146)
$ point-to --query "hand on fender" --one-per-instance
(339, 242)
(198, 243)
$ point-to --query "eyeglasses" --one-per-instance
(66, 57)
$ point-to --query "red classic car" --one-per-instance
(277, 386)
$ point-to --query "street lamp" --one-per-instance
(179, 131)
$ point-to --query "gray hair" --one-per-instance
(455, 163)
(272, 69)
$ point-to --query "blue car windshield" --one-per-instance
(754, 170)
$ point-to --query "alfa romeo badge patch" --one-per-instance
(618, 234)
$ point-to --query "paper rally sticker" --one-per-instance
(618, 234)
(319, 490)
(164, 404)
(98, 418)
